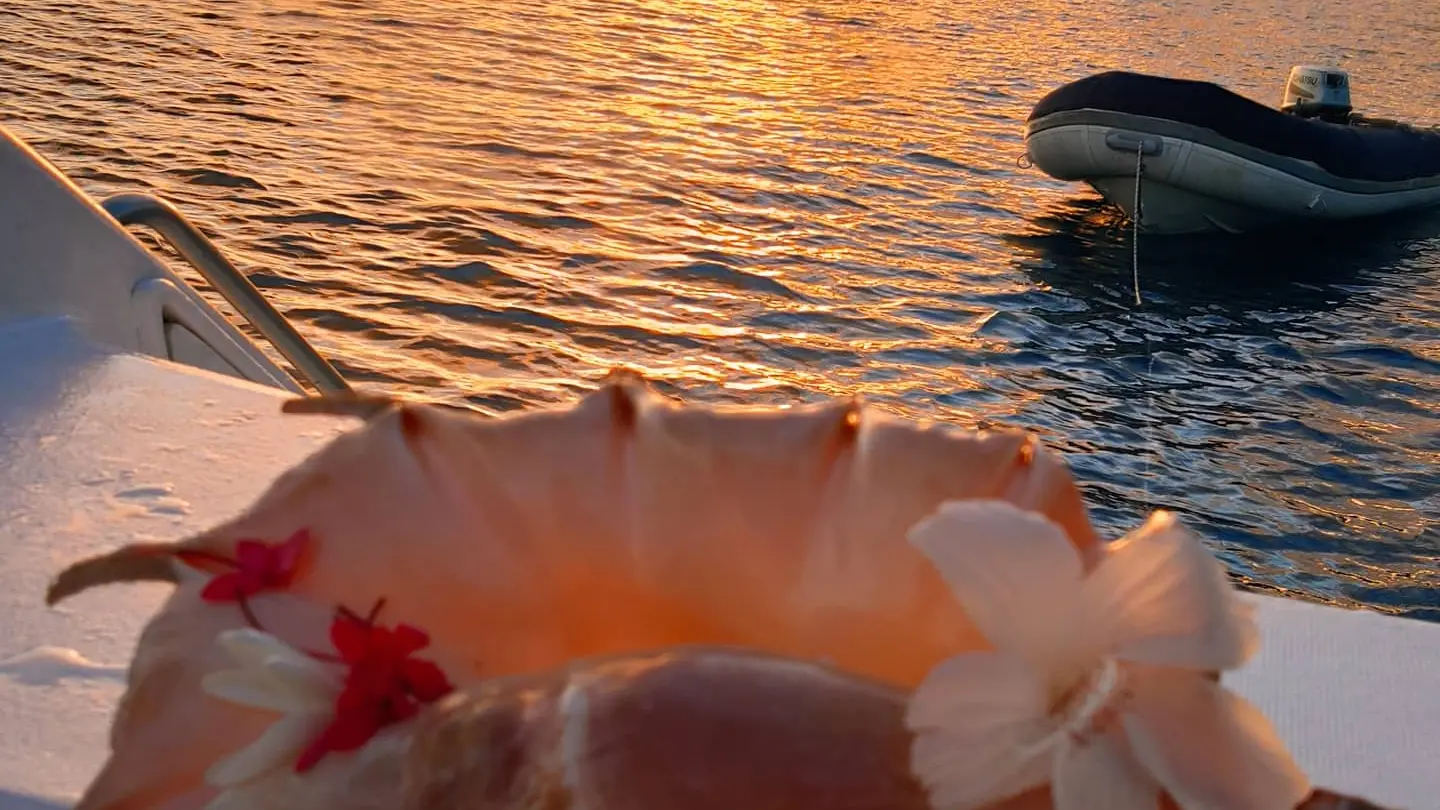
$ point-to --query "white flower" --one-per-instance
(1097, 683)
(275, 677)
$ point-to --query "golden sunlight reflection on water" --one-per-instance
(778, 200)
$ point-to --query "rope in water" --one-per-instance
(1149, 353)
(1135, 219)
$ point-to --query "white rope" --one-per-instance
(1135, 219)
(1148, 429)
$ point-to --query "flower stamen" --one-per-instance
(1094, 705)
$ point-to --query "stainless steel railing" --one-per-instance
(203, 255)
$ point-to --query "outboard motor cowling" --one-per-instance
(1318, 92)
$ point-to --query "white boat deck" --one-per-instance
(99, 449)
(102, 443)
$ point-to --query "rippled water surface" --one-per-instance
(770, 201)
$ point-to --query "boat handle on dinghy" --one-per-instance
(1129, 142)
(202, 254)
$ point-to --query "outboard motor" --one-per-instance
(1318, 92)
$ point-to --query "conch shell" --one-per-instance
(623, 523)
(619, 533)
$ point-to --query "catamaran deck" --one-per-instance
(100, 448)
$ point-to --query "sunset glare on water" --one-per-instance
(770, 202)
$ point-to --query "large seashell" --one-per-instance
(623, 523)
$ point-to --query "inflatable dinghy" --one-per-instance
(1211, 160)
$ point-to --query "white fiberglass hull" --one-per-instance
(1190, 185)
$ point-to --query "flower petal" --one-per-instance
(409, 639)
(1015, 572)
(978, 721)
(250, 648)
(401, 708)
(351, 639)
(347, 731)
(252, 555)
(425, 680)
(273, 749)
(254, 688)
(1160, 597)
(1209, 748)
(1102, 773)
(308, 681)
(226, 587)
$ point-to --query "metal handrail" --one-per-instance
(203, 255)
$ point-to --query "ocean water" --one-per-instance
(494, 202)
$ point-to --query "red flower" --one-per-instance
(384, 685)
(259, 566)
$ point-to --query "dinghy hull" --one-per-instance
(1211, 160)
